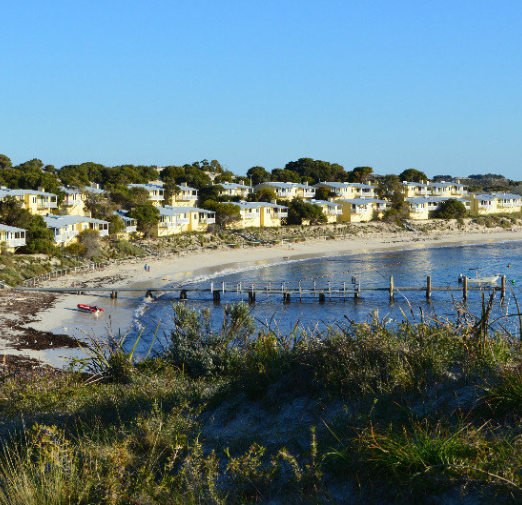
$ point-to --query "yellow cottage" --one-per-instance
(175, 220)
(332, 210)
(260, 214)
(37, 202)
(358, 210)
(496, 203)
(348, 190)
(67, 228)
(11, 237)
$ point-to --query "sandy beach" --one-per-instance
(36, 326)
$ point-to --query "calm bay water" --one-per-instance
(409, 268)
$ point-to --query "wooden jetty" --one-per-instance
(316, 290)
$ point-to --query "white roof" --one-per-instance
(339, 185)
(287, 185)
(148, 187)
(4, 227)
(364, 201)
(434, 199)
(22, 192)
(173, 211)
(59, 221)
(232, 185)
(325, 202)
(255, 205)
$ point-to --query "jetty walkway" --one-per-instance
(321, 291)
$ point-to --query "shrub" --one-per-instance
(451, 209)
(198, 351)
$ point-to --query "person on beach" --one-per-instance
(146, 268)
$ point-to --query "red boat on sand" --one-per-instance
(89, 308)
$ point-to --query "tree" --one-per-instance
(263, 195)
(323, 193)
(98, 205)
(210, 193)
(451, 209)
(5, 162)
(258, 175)
(171, 173)
(116, 224)
(226, 213)
(360, 174)
(391, 188)
(299, 210)
(281, 175)
(90, 241)
(317, 170)
(147, 217)
(226, 176)
(413, 175)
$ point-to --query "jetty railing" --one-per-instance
(320, 290)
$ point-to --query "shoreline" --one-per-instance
(60, 318)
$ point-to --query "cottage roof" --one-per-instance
(340, 185)
(4, 227)
(364, 201)
(21, 192)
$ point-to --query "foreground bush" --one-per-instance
(360, 413)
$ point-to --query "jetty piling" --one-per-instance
(391, 289)
(428, 288)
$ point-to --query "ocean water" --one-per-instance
(408, 267)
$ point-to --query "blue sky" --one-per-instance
(430, 85)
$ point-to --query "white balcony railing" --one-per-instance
(175, 222)
(360, 209)
(15, 242)
(46, 205)
(66, 236)
(69, 202)
(130, 229)
(208, 220)
(185, 197)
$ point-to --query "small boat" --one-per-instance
(481, 279)
(485, 279)
(89, 308)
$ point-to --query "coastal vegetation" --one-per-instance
(370, 412)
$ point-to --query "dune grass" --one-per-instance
(356, 413)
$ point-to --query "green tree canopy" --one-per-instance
(451, 209)
(282, 175)
(147, 217)
(323, 193)
(391, 188)
(317, 170)
(299, 210)
(360, 174)
(258, 175)
(263, 195)
(413, 175)
(5, 162)
(226, 213)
